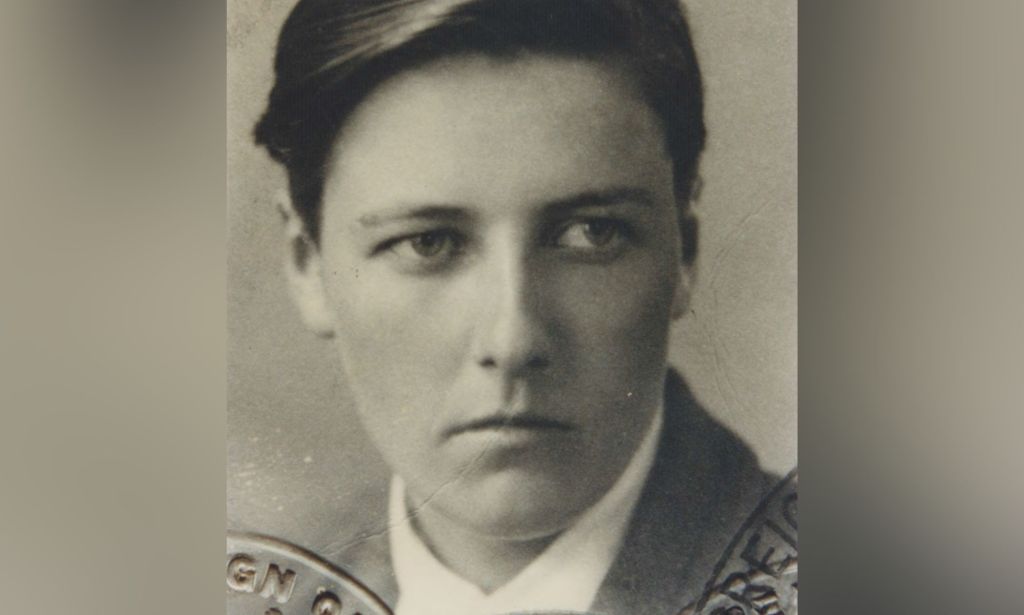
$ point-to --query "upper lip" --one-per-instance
(499, 421)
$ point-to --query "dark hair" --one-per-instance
(332, 53)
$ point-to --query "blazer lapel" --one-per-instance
(703, 485)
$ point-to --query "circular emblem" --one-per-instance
(757, 575)
(267, 576)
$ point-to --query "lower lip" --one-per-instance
(510, 436)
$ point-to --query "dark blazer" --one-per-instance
(703, 485)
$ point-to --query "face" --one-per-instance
(499, 264)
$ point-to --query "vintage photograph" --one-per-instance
(512, 307)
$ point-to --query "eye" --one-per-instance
(431, 244)
(425, 250)
(591, 234)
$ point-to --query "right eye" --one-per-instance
(429, 245)
(427, 250)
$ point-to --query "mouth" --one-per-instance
(523, 422)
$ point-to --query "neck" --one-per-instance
(485, 561)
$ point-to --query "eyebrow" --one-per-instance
(590, 198)
(420, 212)
(604, 198)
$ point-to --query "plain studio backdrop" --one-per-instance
(295, 449)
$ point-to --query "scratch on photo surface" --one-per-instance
(723, 382)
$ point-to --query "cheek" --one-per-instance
(622, 315)
(399, 354)
(398, 338)
(617, 327)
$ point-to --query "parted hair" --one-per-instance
(332, 53)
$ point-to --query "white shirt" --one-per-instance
(565, 576)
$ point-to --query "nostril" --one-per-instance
(537, 362)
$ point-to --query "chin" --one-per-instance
(518, 506)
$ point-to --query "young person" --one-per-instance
(489, 214)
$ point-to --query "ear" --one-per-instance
(304, 270)
(688, 233)
(684, 289)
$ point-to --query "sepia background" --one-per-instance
(112, 373)
(295, 449)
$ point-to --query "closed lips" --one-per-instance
(510, 422)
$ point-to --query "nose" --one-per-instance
(513, 337)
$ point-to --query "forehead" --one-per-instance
(501, 131)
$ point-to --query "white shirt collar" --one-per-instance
(566, 576)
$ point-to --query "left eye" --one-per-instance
(590, 234)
